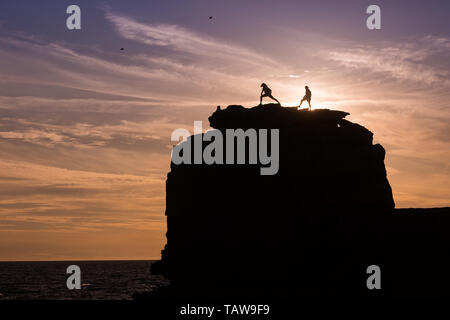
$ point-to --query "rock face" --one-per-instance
(309, 230)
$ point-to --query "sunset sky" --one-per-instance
(85, 127)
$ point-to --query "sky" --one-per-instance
(85, 127)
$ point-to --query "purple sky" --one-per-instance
(85, 127)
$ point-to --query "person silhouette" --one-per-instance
(306, 97)
(266, 92)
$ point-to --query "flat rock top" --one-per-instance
(272, 116)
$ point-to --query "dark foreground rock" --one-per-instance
(311, 230)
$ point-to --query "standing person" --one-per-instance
(266, 92)
(306, 97)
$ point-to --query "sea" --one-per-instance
(100, 280)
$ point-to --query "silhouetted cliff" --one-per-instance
(309, 230)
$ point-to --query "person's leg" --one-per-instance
(301, 102)
(309, 102)
(260, 99)
(274, 99)
(262, 96)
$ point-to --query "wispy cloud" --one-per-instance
(73, 200)
(86, 135)
(404, 61)
(178, 38)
